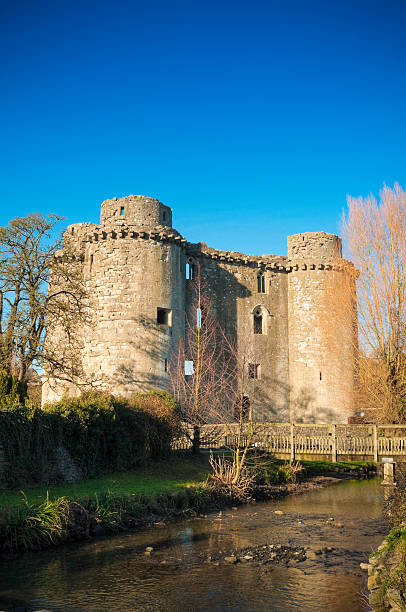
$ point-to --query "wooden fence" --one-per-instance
(300, 441)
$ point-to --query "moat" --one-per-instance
(186, 570)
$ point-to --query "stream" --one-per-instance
(338, 526)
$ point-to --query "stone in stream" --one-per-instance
(312, 555)
(231, 559)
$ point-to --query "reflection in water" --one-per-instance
(115, 574)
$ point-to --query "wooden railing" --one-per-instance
(335, 442)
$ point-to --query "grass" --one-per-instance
(315, 468)
(168, 475)
(153, 478)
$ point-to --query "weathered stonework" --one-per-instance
(134, 265)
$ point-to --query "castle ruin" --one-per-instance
(136, 268)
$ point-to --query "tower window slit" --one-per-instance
(122, 211)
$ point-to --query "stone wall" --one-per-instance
(233, 282)
(134, 266)
(136, 210)
(321, 344)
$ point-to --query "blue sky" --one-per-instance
(251, 120)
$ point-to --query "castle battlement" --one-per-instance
(137, 269)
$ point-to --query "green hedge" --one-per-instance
(11, 388)
(101, 433)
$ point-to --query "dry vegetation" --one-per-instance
(374, 235)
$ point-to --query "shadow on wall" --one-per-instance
(143, 365)
(304, 410)
(263, 410)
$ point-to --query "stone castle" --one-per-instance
(137, 268)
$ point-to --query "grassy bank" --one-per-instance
(173, 488)
(154, 477)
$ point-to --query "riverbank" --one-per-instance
(161, 491)
(387, 565)
(387, 573)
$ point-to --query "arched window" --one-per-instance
(190, 270)
(259, 315)
(257, 323)
(261, 282)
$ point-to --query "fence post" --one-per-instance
(333, 444)
(375, 435)
(292, 442)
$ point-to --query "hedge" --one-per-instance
(97, 432)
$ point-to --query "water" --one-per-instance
(115, 574)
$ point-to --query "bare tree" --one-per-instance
(201, 368)
(28, 256)
(375, 238)
(214, 389)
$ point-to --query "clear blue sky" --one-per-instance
(252, 120)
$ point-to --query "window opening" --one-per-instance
(320, 375)
(190, 271)
(91, 262)
(189, 371)
(258, 323)
(164, 316)
(166, 364)
(254, 370)
(164, 215)
(261, 282)
(122, 211)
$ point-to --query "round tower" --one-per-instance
(321, 324)
(136, 210)
(133, 266)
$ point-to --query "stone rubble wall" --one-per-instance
(321, 334)
(134, 262)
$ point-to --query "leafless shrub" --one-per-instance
(293, 470)
(227, 478)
